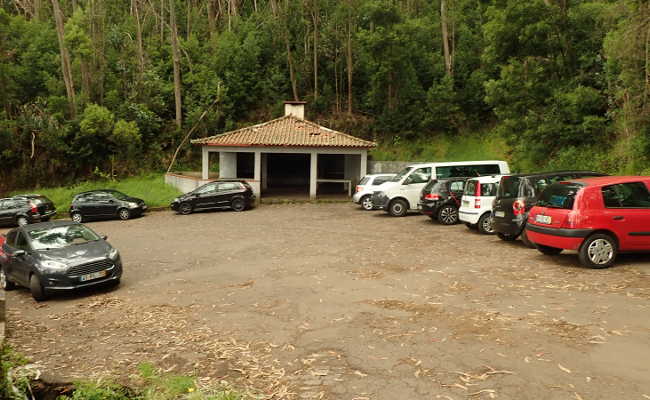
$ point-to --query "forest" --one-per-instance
(103, 88)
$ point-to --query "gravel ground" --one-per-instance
(325, 301)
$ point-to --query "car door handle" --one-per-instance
(618, 218)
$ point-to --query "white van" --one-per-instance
(401, 194)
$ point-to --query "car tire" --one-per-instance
(598, 251)
(525, 240)
(398, 208)
(470, 226)
(505, 237)
(238, 204)
(485, 224)
(5, 283)
(46, 219)
(185, 209)
(366, 203)
(123, 214)
(22, 221)
(448, 215)
(548, 250)
(77, 217)
(36, 287)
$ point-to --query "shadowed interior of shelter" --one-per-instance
(287, 173)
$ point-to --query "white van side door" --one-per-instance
(413, 185)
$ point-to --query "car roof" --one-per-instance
(454, 163)
(536, 174)
(375, 175)
(609, 180)
(488, 178)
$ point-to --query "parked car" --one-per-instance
(598, 217)
(235, 194)
(105, 204)
(440, 199)
(402, 193)
(45, 206)
(517, 194)
(56, 256)
(476, 206)
(18, 211)
(366, 187)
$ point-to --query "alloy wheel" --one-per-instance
(487, 225)
(366, 203)
(124, 214)
(448, 215)
(185, 208)
(3, 279)
(22, 221)
(76, 217)
(600, 251)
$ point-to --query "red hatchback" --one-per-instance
(598, 217)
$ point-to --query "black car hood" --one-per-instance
(77, 253)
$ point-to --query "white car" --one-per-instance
(476, 205)
(366, 187)
(402, 193)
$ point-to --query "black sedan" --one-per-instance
(235, 194)
(54, 256)
(105, 204)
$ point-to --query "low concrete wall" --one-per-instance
(184, 183)
(387, 167)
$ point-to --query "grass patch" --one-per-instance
(9, 359)
(151, 188)
(464, 147)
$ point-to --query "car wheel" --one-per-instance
(185, 208)
(238, 204)
(525, 240)
(366, 203)
(35, 286)
(398, 208)
(598, 251)
(5, 283)
(505, 237)
(448, 215)
(45, 219)
(77, 217)
(22, 221)
(548, 250)
(485, 224)
(124, 214)
(470, 226)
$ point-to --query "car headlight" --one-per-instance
(133, 205)
(53, 266)
(113, 254)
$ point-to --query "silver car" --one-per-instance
(365, 188)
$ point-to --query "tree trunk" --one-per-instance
(315, 21)
(176, 63)
(292, 73)
(65, 58)
(162, 22)
(349, 61)
(445, 37)
(211, 17)
(138, 36)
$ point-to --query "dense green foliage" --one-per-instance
(564, 83)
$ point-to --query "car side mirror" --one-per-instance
(18, 253)
(105, 237)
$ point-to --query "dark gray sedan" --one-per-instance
(53, 256)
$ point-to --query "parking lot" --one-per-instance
(326, 301)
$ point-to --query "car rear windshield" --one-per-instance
(559, 195)
(364, 180)
(509, 187)
(435, 186)
(61, 236)
(470, 187)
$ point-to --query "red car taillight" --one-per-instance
(477, 203)
(34, 209)
(358, 188)
(518, 207)
(432, 196)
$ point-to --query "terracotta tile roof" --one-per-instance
(285, 131)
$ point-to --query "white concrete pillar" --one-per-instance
(257, 165)
(205, 167)
(313, 174)
(227, 165)
(265, 171)
(364, 164)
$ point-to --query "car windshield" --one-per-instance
(559, 195)
(509, 187)
(118, 195)
(364, 180)
(401, 174)
(61, 236)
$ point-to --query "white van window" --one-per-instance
(420, 175)
(467, 170)
(401, 174)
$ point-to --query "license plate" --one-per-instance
(94, 275)
(465, 203)
(499, 214)
(543, 219)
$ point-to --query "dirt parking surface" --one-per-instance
(324, 301)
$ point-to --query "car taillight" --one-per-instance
(518, 207)
(34, 209)
(431, 196)
(477, 192)
(358, 188)
(477, 203)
